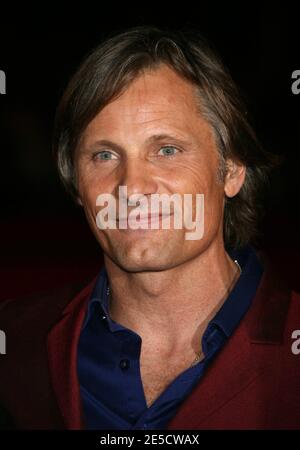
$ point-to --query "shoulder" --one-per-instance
(40, 310)
(275, 307)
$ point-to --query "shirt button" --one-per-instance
(124, 364)
(103, 317)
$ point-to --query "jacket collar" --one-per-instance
(266, 319)
(62, 346)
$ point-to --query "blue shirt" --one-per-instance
(108, 357)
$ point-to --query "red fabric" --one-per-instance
(254, 381)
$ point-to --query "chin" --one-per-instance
(135, 253)
(141, 261)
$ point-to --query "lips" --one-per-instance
(143, 219)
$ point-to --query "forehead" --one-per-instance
(156, 98)
(162, 87)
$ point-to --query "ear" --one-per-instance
(235, 177)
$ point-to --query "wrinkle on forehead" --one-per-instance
(157, 100)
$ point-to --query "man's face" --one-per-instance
(153, 140)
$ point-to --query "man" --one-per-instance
(174, 332)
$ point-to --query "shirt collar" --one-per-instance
(240, 298)
(99, 296)
(228, 316)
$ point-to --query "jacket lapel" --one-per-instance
(236, 365)
(230, 373)
(62, 345)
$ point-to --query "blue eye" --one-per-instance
(168, 151)
(105, 155)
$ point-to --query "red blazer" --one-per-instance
(254, 382)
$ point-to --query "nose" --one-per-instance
(138, 176)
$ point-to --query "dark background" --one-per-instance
(44, 240)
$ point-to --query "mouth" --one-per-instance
(149, 220)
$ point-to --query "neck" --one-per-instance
(171, 308)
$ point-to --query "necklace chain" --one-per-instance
(198, 355)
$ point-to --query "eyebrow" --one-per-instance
(105, 143)
(165, 137)
(151, 140)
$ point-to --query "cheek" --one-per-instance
(88, 195)
(205, 181)
(89, 187)
(197, 178)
